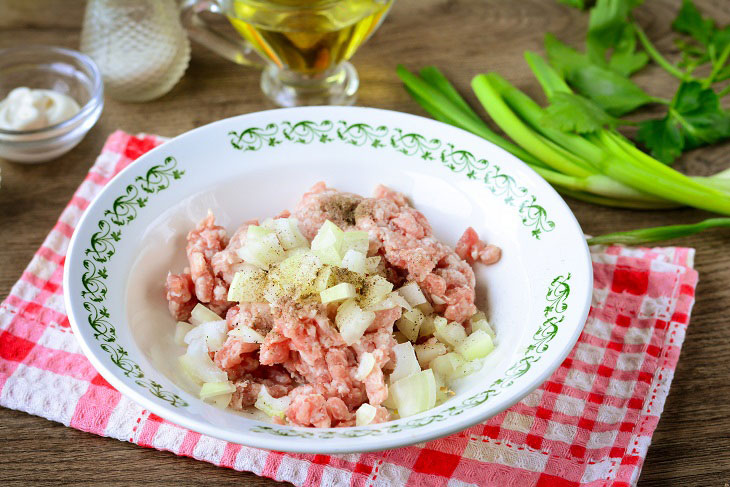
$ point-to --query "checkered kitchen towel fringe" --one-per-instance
(589, 425)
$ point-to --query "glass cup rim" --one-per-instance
(97, 88)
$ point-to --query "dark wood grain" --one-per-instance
(691, 446)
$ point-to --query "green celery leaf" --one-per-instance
(690, 21)
(563, 58)
(575, 113)
(625, 60)
(695, 118)
(606, 25)
(616, 94)
(663, 138)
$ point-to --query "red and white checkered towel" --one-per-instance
(589, 425)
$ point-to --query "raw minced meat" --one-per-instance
(303, 356)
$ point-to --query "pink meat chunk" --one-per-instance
(180, 293)
(226, 262)
(472, 249)
(204, 241)
(321, 203)
(407, 243)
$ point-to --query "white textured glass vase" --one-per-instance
(139, 45)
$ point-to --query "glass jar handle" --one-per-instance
(237, 50)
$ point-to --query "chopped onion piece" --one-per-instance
(201, 314)
(247, 285)
(327, 244)
(367, 362)
(391, 301)
(287, 230)
(181, 329)
(222, 401)
(247, 334)
(449, 333)
(375, 289)
(406, 362)
(340, 292)
(354, 261)
(257, 232)
(371, 264)
(450, 366)
(198, 365)
(437, 300)
(426, 308)
(400, 337)
(426, 352)
(410, 323)
(365, 414)
(263, 251)
(389, 401)
(352, 321)
(356, 240)
(213, 332)
(412, 293)
(212, 389)
(270, 405)
(427, 327)
(415, 393)
(477, 345)
(297, 272)
(484, 326)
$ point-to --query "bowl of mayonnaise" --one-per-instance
(49, 99)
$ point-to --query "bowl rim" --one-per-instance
(96, 96)
(343, 446)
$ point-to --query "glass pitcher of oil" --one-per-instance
(303, 45)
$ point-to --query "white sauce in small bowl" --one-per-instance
(28, 109)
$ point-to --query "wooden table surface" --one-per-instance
(691, 446)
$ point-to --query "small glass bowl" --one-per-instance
(52, 68)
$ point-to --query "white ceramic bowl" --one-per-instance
(255, 165)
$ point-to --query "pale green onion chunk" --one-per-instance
(371, 264)
(247, 285)
(201, 314)
(450, 333)
(484, 326)
(327, 244)
(263, 251)
(375, 290)
(391, 301)
(400, 337)
(270, 405)
(415, 393)
(428, 326)
(246, 334)
(212, 389)
(365, 414)
(181, 329)
(406, 362)
(222, 401)
(352, 321)
(426, 352)
(256, 232)
(354, 260)
(287, 230)
(449, 366)
(426, 308)
(477, 345)
(356, 240)
(212, 332)
(410, 323)
(340, 292)
(389, 401)
(412, 293)
(197, 364)
(367, 362)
